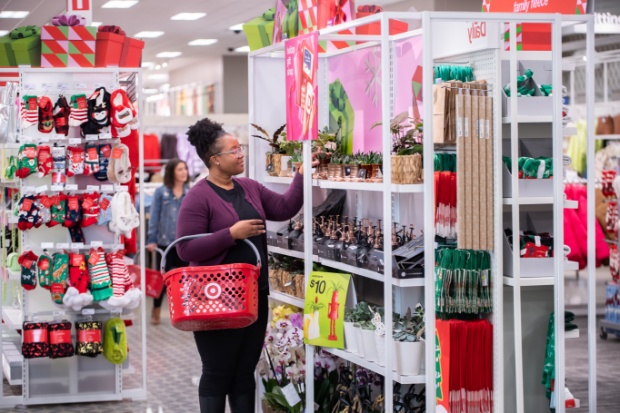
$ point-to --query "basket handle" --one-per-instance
(189, 237)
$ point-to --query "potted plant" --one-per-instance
(350, 339)
(365, 162)
(360, 316)
(408, 335)
(274, 156)
(297, 161)
(312, 327)
(289, 148)
(379, 334)
(376, 163)
(335, 169)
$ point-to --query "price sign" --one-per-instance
(324, 309)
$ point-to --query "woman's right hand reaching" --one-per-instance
(247, 228)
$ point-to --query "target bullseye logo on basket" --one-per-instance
(213, 291)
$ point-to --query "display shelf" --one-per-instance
(289, 253)
(277, 180)
(286, 299)
(6, 368)
(540, 200)
(608, 137)
(527, 55)
(351, 269)
(372, 187)
(408, 282)
(12, 318)
(569, 131)
(571, 334)
(371, 365)
(539, 281)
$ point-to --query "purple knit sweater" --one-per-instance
(203, 211)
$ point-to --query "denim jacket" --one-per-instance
(163, 215)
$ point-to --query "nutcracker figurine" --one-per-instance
(332, 314)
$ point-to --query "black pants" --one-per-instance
(172, 261)
(229, 357)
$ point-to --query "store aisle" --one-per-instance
(173, 362)
(608, 365)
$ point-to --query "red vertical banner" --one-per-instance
(80, 4)
(301, 62)
(81, 8)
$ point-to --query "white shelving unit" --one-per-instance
(267, 82)
(40, 375)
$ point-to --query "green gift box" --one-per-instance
(340, 109)
(28, 49)
(259, 31)
(7, 57)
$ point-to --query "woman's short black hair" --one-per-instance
(203, 135)
(169, 172)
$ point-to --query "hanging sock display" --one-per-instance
(104, 151)
(75, 161)
(60, 345)
(46, 118)
(463, 282)
(100, 282)
(57, 210)
(91, 159)
(27, 160)
(29, 111)
(115, 341)
(90, 209)
(44, 268)
(77, 295)
(60, 272)
(89, 337)
(119, 168)
(28, 262)
(35, 342)
(61, 113)
(44, 160)
(78, 111)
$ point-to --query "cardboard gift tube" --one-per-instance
(468, 235)
(483, 168)
(460, 168)
(475, 170)
(490, 176)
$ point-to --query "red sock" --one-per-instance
(44, 159)
(90, 209)
(78, 277)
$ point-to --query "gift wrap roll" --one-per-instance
(259, 31)
(340, 108)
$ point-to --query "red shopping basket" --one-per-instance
(153, 279)
(212, 297)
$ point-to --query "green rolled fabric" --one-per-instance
(259, 31)
(340, 108)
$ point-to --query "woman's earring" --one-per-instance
(218, 164)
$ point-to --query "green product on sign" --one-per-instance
(324, 309)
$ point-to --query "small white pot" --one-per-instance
(370, 347)
(409, 357)
(359, 342)
(380, 345)
(350, 337)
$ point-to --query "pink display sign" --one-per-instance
(301, 59)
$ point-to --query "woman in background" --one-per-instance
(163, 216)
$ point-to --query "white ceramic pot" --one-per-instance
(359, 342)
(409, 357)
(370, 347)
(350, 338)
(380, 345)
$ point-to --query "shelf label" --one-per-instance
(57, 188)
(29, 86)
(105, 136)
(63, 85)
(96, 244)
(46, 245)
(324, 309)
(62, 246)
(47, 85)
(93, 188)
(79, 85)
(44, 139)
(88, 311)
(91, 137)
(28, 189)
(107, 188)
(75, 141)
(42, 188)
(77, 245)
(71, 187)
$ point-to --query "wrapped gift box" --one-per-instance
(259, 31)
(109, 49)
(396, 26)
(308, 16)
(131, 55)
(7, 57)
(68, 46)
(27, 51)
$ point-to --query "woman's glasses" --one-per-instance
(236, 152)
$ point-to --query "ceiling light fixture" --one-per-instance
(148, 34)
(148, 64)
(158, 76)
(188, 16)
(13, 14)
(165, 64)
(149, 91)
(243, 49)
(119, 4)
(202, 42)
(157, 67)
(168, 55)
(96, 24)
(236, 27)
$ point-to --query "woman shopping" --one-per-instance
(232, 209)
(163, 216)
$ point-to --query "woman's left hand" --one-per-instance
(301, 168)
